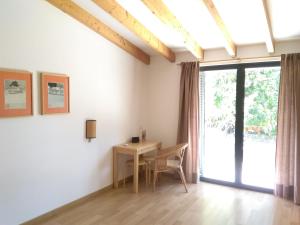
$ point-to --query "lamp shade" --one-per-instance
(90, 129)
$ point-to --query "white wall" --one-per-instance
(45, 161)
(163, 81)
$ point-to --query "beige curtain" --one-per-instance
(288, 134)
(188, 124)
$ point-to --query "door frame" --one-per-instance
(239, 122)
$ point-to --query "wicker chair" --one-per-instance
(142, 163)
(170, 159)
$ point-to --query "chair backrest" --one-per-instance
(174, 151)
(181, 148)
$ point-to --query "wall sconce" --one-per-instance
(90, 129)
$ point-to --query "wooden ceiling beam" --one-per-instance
(229, 44)
(159, 9)
(123, 16)
(75, 11)
(269, 36)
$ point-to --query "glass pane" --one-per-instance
(260, 122)
(218, 141)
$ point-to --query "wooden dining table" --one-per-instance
(134, 149)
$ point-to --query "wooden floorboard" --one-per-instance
(205, 204)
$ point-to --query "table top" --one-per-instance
(138, 146)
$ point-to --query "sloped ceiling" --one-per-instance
(244, 19)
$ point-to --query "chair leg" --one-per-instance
(149, 174)
(154, 179)
(181, 174)
(124, 176)
(146, 174)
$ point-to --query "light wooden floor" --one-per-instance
(205, 204)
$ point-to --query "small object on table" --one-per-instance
(144, 135)
(135, 140)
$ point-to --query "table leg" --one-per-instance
(115, 167)
(136, 173)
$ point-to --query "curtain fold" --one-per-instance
(288, 134)
(188, 124)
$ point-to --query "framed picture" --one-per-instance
(15, 93)
(54, 93)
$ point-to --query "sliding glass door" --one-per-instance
(260, 123)
(219, 122)
(239, 120)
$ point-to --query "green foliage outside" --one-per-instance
(223, 116)
(261, 101)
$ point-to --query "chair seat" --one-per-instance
(172, 163)
(149, 158)
(141, 162)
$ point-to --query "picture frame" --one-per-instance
(54, 93)
(15, 93)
